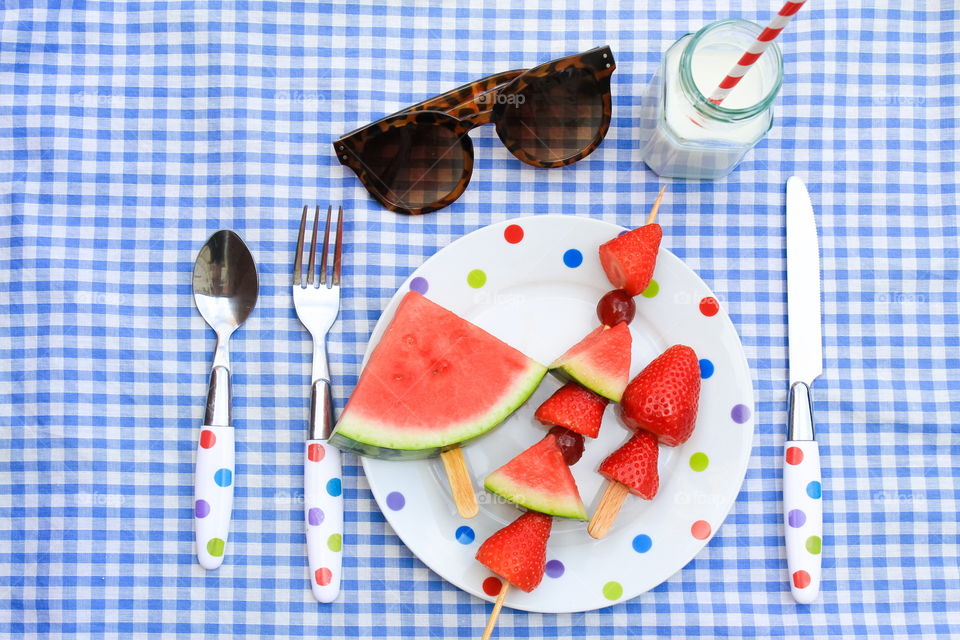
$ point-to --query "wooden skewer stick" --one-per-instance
(607, 510)
(460, 484)
(492, 620)
(656, 206)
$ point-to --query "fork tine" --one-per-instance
(338, 249)
(326, 246)
(298, 258)
(313, 247)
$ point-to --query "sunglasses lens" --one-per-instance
(416, 165)
(553, 117)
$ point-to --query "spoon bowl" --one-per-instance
(225, 283)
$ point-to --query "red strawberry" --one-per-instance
(575, 408)
(518, 552)
(570, 443)
(634, 465)
(663, 398)
(629, 260)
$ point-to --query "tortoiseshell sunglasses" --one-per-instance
(420, 159)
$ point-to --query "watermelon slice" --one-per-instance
(433, 381)
(540, 480)
(600, 362)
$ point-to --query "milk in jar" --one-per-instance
(683, 134)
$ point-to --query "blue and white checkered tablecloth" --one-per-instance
(131, 131)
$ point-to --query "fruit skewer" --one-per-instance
(660, 406)
(656, 206)
(631, 469)
(630, 258)
(518, 554)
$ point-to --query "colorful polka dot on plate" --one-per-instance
(706, 368)
(492, 586)
(572, 258)
(612, 590)
(476, 278)
(740, 413)
(642, 543)
(700, 530)
(334, 487)
(699, 461)
(709, 306)
(465, 535)
(513, 233)
(554, 568)
(396, 501)
(420, 285)
(652, 290)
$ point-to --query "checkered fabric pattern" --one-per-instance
(129, 132)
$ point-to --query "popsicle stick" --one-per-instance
(607, 510)
(492, 620)
(460, 484)
(656, 206)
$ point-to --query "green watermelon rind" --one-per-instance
(366, 437)
(586, 376)
(499, 484)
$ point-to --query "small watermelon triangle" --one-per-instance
(600, 362)
(540, 480)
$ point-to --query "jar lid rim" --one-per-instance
(700, 101)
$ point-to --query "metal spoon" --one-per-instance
(225, 289)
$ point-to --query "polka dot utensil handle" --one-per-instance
(213, 494)
(323, 510)
(802, 499)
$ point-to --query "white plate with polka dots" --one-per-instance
(534, 282)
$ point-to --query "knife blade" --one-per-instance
(802, 487)
(803, 286)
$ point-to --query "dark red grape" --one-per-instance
(615, 307)
(571, 444)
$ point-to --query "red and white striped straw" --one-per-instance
(756, 50)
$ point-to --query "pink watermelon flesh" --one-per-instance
(600, 362)
(434, 380)
(540, 480)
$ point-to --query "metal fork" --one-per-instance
(317, 306)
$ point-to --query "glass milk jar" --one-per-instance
(682, 133)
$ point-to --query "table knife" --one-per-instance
(802, 488)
